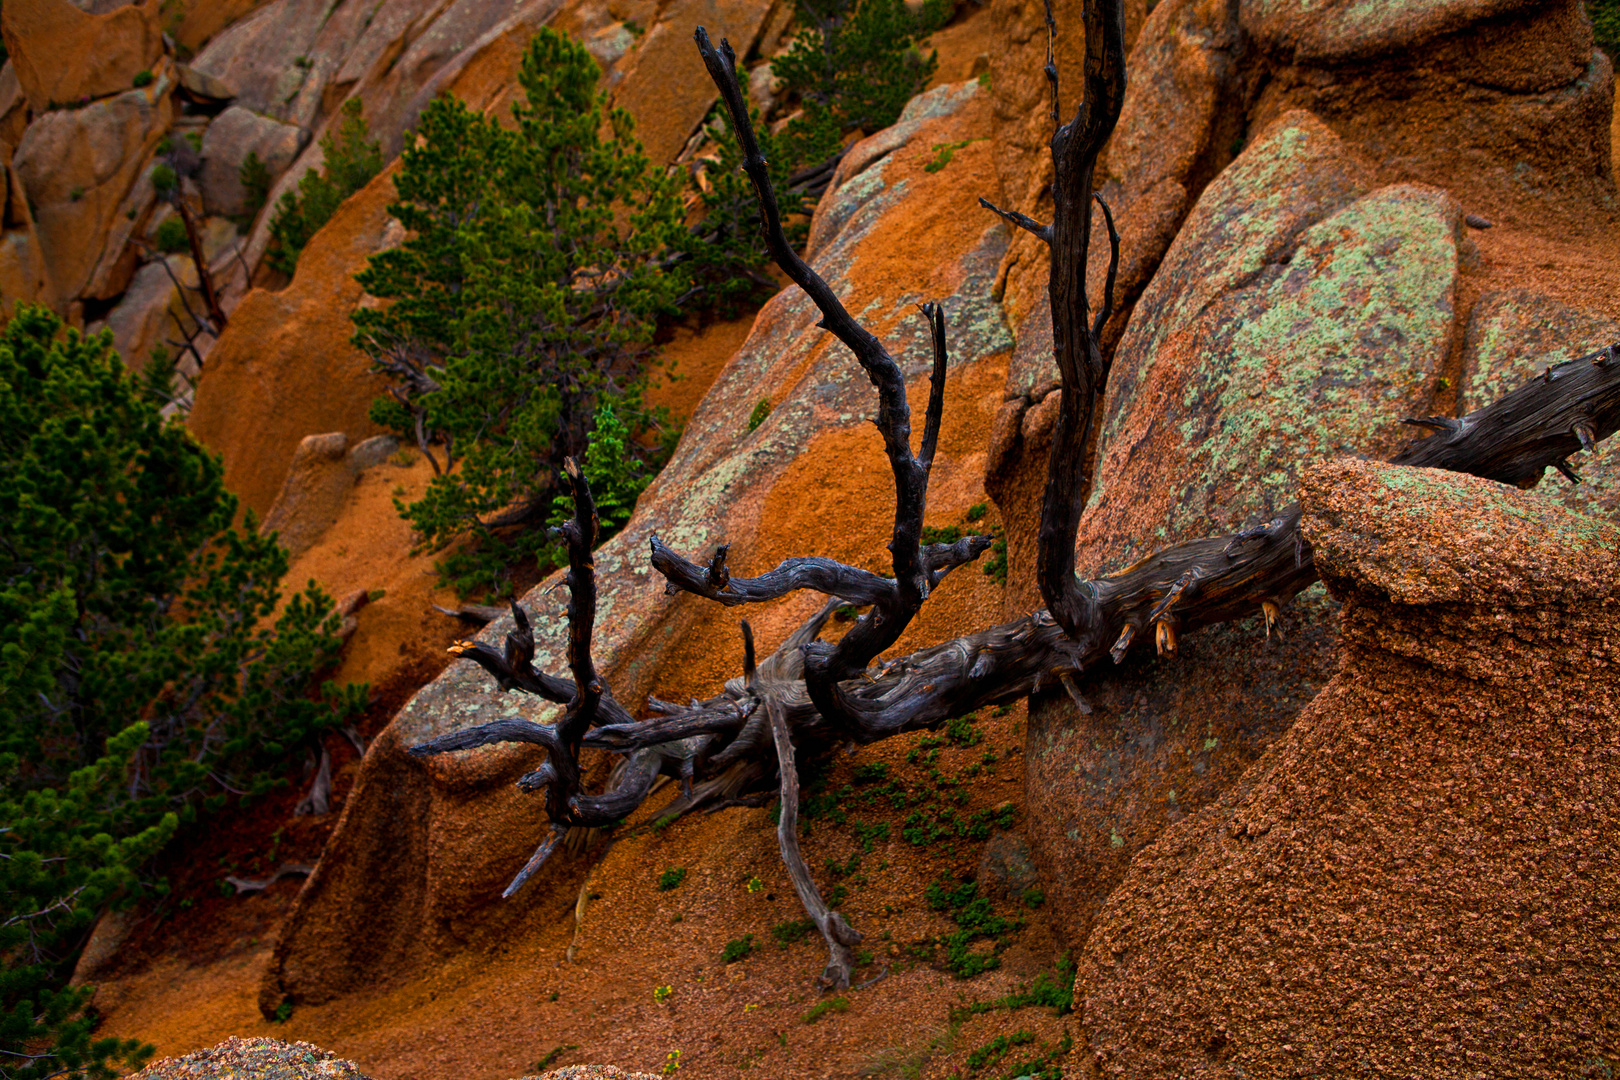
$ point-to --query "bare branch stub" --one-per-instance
(841, 938)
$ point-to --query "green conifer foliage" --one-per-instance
(351, 161)
(524, 298)
(853, 66)
(141, 678)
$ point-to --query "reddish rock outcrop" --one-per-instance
(63, 55)
(424, 847)
(24, 277)
(284, 368)
(1262, 345)
(1418, 879)
(1505, 105)
(77, 167)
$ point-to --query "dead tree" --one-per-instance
(808, 696)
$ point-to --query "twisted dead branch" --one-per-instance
(738, 747)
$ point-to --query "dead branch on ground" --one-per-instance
(738, 747)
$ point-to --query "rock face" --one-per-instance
(424, 846)
(62, 54)
(665, 87)
(231, 137)
(1262, 345)
(77, 165)
(284, 368)
(1417, 879)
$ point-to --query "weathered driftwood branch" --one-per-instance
(840, 936)
(738, 746)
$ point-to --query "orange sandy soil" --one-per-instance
(503, 1004)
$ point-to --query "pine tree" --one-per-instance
(524, 298)
(141, 678)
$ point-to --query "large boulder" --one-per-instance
(79, 165)
(284, 367)
(424, 847)
(230, 138)
(63, 55)
(1263, 344)
(152, 310)
(1419, 878)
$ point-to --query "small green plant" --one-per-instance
(762, 409)
(672, 1063)
(256, 181)
(76, 194)
(672, 877)
(754, 885)
(943, 152)
(1033, 897)
(960, 730)
(996, 565)
(990, 1054)
(977, 511)
(662, 994)
(557, 1052)
(303, 63)
(351, 159)
(737, 948)
(142, 78)
(948, 534)
(164, 179)
(871, 772)
(1053, 990)
(170, 236)
(975, 918)
(1605, 15)
(831, 1005)
(283, 1013)
(791, 932)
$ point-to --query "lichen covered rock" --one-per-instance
(1513, 336)
(1299, 315)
